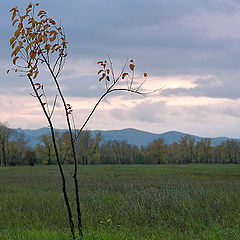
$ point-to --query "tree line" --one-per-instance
(14, 150)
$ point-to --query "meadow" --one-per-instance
(123, 202)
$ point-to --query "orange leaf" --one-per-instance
(13, 53)
(131, 66)
(102, 77)
(52, 38)
(36, 4)
(14, 8)
(99, 71)
(13, 45)
(14, 14)
(17, 49)
(124, 75)
(17, 33)
(32, 54)
(14, 60)
(35, 75)
(12, 40)
(31, 44)
(41, 12)
(29, 6)
(13, 23)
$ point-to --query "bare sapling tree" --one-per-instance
(38, 40)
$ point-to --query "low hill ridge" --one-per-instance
(131, 135)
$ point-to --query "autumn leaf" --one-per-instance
(41, 12)
(17, 49)
(102, 77)
(14, 14)
(124, 75)
(100, 71)
(32, 54)
(13, 45)
(14, 60)
(17, 33)
(35, 75)
(12, 40)
(16, 20)
(29, 6)
(14, 8)
(30, 44)
(131, 66)
(145, 75)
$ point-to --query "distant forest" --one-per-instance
(14, 150)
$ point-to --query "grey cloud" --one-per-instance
(159, 112)
(216, 87)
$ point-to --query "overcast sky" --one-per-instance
(190, 49)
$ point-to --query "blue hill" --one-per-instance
(132, 136)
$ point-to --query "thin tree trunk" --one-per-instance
(4, 155)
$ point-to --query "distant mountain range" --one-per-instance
(132, 136)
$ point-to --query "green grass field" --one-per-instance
(123, 202)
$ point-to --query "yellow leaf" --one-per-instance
(14, 60)
(124, 75)
(131, 66)
(145, 75)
